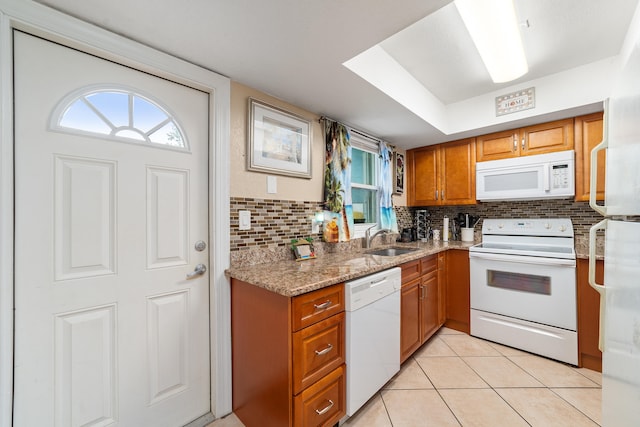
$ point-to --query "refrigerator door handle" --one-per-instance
(602, 225)
(601, 209)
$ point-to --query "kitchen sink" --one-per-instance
(394, 251)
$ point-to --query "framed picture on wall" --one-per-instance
(398, 173)
(279, 141)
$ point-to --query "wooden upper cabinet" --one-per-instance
(588, 132)
(458, 172)
(499, 145)
(547, 137)
(538, 139)
(422, 176)
(442, 174)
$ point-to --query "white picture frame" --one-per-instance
(279, 141)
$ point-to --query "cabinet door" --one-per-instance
(422, 175)
(589, 356)
(547, 137)
(499, 145)
(588, 133)
(322, 404)
(458, 304)
(409, 319)
(458, 172)
(442, 286)
(428, 306)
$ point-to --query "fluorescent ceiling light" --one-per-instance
(494, 29)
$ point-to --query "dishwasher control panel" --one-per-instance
(365, 290)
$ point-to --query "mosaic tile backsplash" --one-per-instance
(274, 223)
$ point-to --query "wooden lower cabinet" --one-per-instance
(324, 403)
(442, 287)
(589, 356)
(457, 290)
(420, 303)
(429, 306)
(409, 318)
(288, 356)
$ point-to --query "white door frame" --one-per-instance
(50, 24)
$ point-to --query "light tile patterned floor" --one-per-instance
(459, 380)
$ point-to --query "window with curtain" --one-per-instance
(357, 184)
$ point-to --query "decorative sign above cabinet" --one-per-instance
(516, 101)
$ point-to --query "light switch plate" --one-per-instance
(244, 222)
(272, 185)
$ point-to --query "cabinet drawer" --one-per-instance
(429, 264)
(318, 305)
(322, 404)
(317, 350)
(410, 271)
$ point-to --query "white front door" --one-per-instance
(108, 328)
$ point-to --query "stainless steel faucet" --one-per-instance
(368, 238)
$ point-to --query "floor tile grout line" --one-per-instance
(490, 387)
(572, 405)
(386, 409)
(498, 394)
(494, 389)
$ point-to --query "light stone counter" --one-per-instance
(291, 278)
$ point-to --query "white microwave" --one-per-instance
(541, 176)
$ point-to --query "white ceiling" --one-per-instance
(294, 50)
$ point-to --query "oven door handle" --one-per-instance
(524, 259)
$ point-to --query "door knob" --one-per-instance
(198, 271)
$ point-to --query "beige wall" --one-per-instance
(245, 183)
(254, 184)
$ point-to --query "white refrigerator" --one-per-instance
(620, 295)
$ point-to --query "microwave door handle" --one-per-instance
(545, 177)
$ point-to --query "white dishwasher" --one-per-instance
(372, 306)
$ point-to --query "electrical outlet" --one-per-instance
(244, 222)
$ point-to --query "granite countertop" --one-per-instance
(291, 278)
(582, 248)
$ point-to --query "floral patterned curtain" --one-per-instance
(388, 219)
(338, 215)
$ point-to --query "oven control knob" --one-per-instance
(547, 225)
(562, 228)
(500, 226)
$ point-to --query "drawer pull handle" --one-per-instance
(324, 351)
(325, 409)
(322, 306)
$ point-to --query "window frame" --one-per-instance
(366, 144)
(81, 93)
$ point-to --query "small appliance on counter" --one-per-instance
(408, 235)
(462, 227)
(423, 224)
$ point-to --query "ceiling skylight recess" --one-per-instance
(494, 29)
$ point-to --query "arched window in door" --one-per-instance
(119, 114)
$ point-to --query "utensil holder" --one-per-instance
(467, 234)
